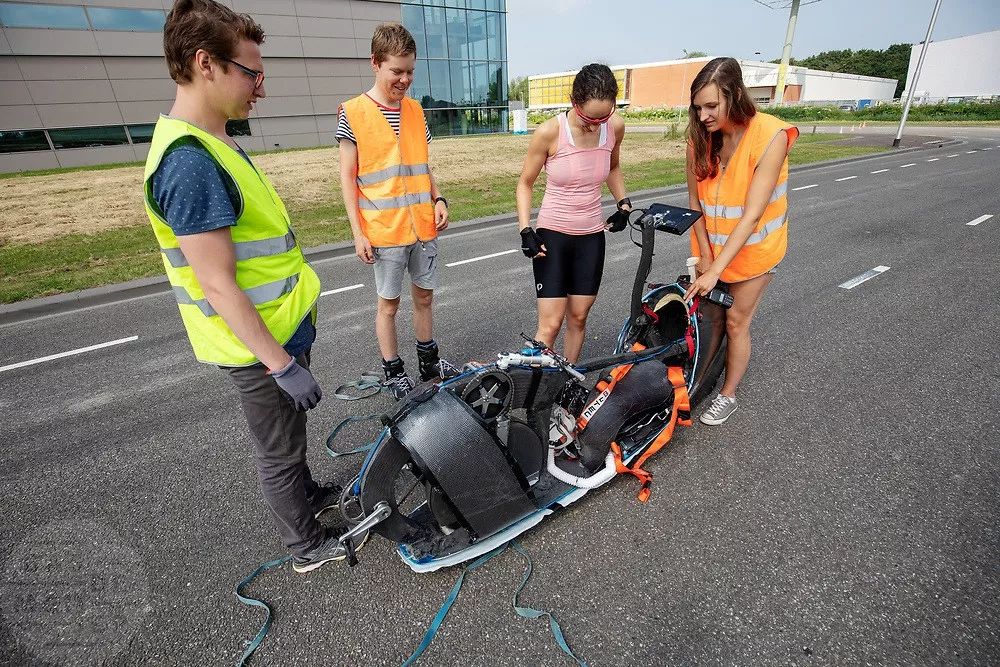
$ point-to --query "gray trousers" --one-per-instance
(279, 437)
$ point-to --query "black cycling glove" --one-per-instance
(619, 219)
(531, 242)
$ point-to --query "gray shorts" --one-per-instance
(420, 259)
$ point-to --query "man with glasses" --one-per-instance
(246, 295)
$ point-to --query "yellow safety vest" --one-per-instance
(723, 197)
(270, 267)
(394, 181)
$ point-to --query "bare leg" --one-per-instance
(385, 327)
(746, 297)
(551, 312)
(576, 324)
(423, 320)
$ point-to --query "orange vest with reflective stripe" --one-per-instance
(723, 197)
(394, 181)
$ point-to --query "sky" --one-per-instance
(558, 35)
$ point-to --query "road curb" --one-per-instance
(95, 296)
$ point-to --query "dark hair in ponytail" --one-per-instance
(594, 82)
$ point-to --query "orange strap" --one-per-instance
(606, 387)
(680, 412)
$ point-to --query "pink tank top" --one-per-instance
(572, 201)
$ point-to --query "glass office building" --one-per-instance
(461, 76)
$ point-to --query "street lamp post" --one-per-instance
(916, 76)
(786, 53)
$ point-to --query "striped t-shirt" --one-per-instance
(344, 130)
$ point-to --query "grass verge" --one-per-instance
(78, 261)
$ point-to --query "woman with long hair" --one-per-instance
(579, 150)
(737, 175)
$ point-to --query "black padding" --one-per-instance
(645, 387)
(455, 449)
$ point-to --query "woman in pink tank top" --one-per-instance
(579, 151)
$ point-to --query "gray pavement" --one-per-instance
(847, 513)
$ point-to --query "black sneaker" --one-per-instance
(326, 497)
(332, 549)
(399, 386)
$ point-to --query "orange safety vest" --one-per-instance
(394, 181)
(723, 197)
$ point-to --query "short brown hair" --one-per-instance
(392, 39)
(204, 24)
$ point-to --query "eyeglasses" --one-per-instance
(592, 121)
(258, 77)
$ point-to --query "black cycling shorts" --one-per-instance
(573, 264)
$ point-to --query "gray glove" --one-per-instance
(299, 384)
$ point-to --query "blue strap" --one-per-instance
(528, 612)
(446, 607)
(253, 602)
(368, 385)
(350, 420)
(524, 612)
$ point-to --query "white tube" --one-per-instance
(692, 264)
(592, 482)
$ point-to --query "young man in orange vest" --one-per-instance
(393, 203)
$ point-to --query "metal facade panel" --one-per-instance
(79, 115)
(143, 90)
(14, 93)
(73, 92)
(324, 27)
(324, 8)
(144, 112)
(28, 161)
(35, 41)
(60, 68)
(19, 117)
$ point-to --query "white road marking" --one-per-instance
(934, 159)
(936, 141)
(864, 277)
(32, 362)
(478, 259)
(988, 148)
(953, 155)
(342, 289)
(970, 152)
(982, 218)
(904, 166)
(846, 178)
(806, 187)
(880, 171)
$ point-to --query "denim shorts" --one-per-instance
(419, 259)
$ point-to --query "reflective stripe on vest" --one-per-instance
(756, 237)
(736, 212)
(392, 172)
(244, 249)
(393, 202)
(258, 295)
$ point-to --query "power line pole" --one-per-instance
(786, 53)
(916, 76)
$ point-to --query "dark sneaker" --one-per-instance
(399, 386)
(446, 370)
(326, 497)
(331, 550)
(428, 362)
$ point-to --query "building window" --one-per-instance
(141, 134)
(133, 20)
(238, 128)
(18, 141)
(23, 15)
(461, 71)
(87, 137)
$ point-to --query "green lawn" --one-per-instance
(79, 261)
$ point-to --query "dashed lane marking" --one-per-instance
(864, 277)
(60, 355)
(805, 187)
(342, 289)
(934, 159)
(880, 171)
(846, 178)
(904, 166)
(982, 218)
(479, 259)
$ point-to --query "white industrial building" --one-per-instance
(963, 67)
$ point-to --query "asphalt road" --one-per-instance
(846, 514)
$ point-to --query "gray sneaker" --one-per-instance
(719, 411)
